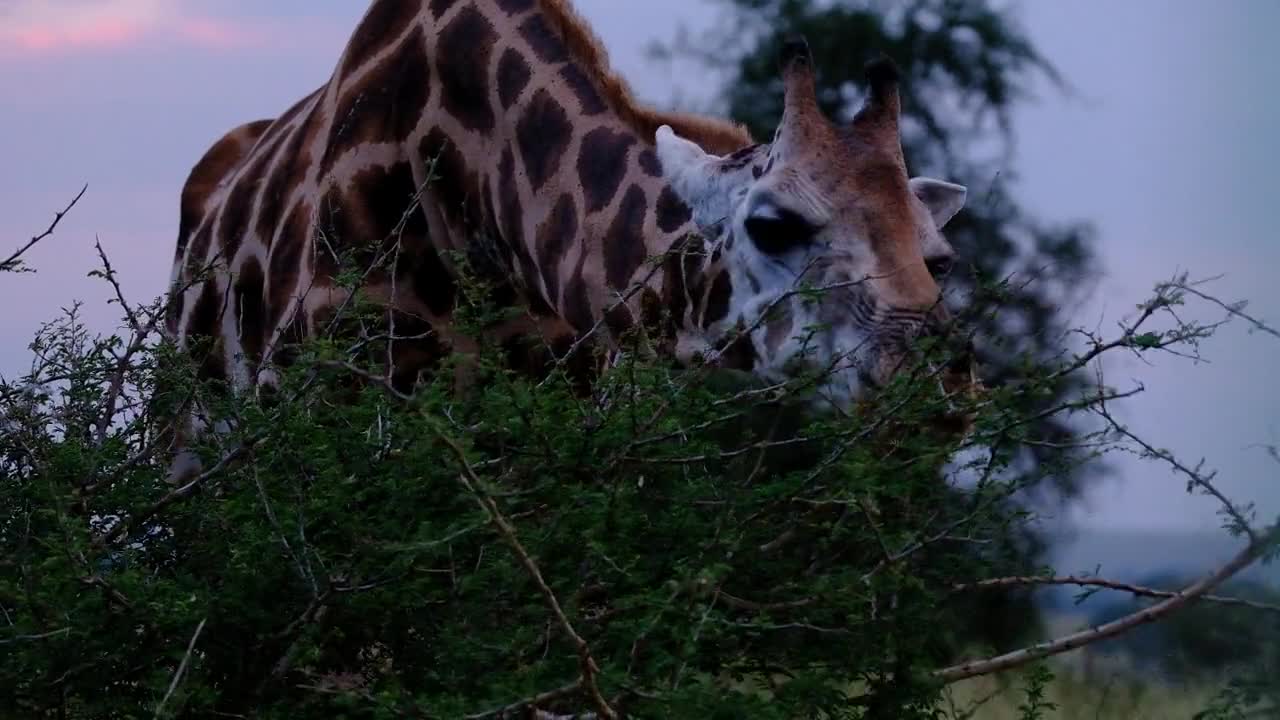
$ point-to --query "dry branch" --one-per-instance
(474, 485)
(530, 702)
(182, 668)
(1251, 552)
(1135, 590)
(1235, 309)
(13, 263)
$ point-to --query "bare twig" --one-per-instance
(474, 485)
(13, 263)
(1136, 590)
(34, 637)
(1235, 309)
(1195, 478)
(753, 606)
(182, 668)
(1243, 559)
(108, 273)
(530, 702)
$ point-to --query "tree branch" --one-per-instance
(474, 485)
(1254, 550)
(1236, 309)
(13, 263)
(530, 702)
(1135, 590)
(182, 668)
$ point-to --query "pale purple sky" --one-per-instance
(1170, 148)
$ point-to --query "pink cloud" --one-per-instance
(105, 31)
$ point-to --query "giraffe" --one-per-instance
(495, 130)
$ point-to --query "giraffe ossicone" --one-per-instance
(495, 130)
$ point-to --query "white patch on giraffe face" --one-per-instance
(778, 233)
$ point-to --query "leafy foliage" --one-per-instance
(966, 65)
(671, 543)
(341, 560)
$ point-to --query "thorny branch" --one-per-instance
(475, 486)
(182, 668)
(1073, 641)
(1260, 542)
(505, 711)
(1180, 283)
(14, 263)
(1135, 590)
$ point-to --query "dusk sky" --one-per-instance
(1169, 146)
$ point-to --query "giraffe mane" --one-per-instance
(714, 135)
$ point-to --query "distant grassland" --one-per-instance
(1087, 685)
(1120, 696)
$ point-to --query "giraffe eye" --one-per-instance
(940, 267)
(776, 231)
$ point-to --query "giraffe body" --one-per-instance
(494, 129)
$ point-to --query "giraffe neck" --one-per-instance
(489, 128)
(533, 153)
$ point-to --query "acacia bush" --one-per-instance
(673, 543)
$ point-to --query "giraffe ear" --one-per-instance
(686, 166)
(943, 199)
(697, 177)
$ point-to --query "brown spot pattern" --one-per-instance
(384, 22)
(624, 247)
(577, 301)
(464, 45)
(602, 163)
(437, 7)
(251, 309)
(219, 161)
(582, 86)
(514, 7)
(510, 216)
(546, 44)
(543, 135)
(288, 173)
(456, 188)
(430, 279)
(778, 329)
(512, 223)
(386, 197)
(207, 312)
(555, 235)
(206, 318)
(717, 299)
(387, 104)
(233, 221)
(284, 262)
(649, 163)
(513, 76)
(198, 254)
(361, 212)
(672, 212)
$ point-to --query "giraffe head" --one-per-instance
(827, 208)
